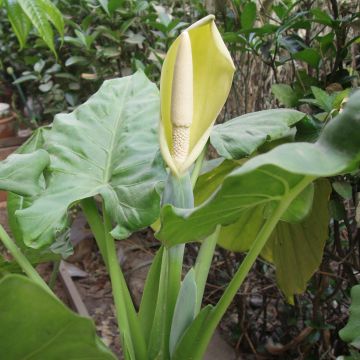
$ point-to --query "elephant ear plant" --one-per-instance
(105, 157)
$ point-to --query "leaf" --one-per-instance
(16, 202)
(72, 60)
(108, 147)
(248, 15)
(243, 135)
(351, 332)
(296, 249)
(343, 188)
(285, 94)
(54, 15)
(322, 17)
(20, 173)
(323, 98)
(310, 56)
(149, 297)
(19, 21)
(37, 13)
(270, 177)
(184, 312)
(36, 325)
(189, 342)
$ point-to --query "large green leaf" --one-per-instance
(241, 136)
(16, 202)
(21, 173)
(36, 325)
(19, 21)
(351, 332)
(296, 250)
(272, 177)
(109, 147)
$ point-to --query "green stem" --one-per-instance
(54, 274)
(129, 327)
(22, 260)
(240, 275)
(197, 167)
(203, 264)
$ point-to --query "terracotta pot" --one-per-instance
(8, 126)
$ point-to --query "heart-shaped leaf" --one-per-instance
(241, 136)
(36, 325)
(109, 147)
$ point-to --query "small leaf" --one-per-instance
(36, 325)
(72, 60)
(310, 56)
(343, 188)
(285, 94)
(323, 98)
(184, 310)
(248, 16)
(351, 332)
(46, 87)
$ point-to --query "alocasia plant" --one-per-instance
(108, 149)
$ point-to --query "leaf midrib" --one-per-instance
(107, 170)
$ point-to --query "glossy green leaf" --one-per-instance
(36, 325)
(109, 147)
(21, 173)
(19, 21)
(351, 332)
(268, 178)
(241, 136)
(285, 94)
(184, 312)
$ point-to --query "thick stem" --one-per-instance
(22, 261)
(203, 264)
(129, 327)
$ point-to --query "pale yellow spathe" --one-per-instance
(212, 72)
